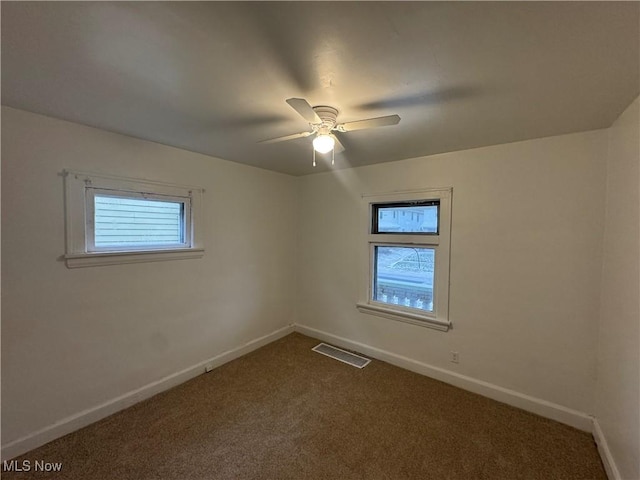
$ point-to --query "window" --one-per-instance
(419, 217)
(117, 220)
(403, 276)
(135, 221)
(407, 267)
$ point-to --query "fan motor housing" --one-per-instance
(328, 115)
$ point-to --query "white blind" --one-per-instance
(121, 221)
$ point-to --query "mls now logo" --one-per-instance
(26, 466)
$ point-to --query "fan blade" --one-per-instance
(337, 147)
(368, 123)
(286, 137)
(301, 106)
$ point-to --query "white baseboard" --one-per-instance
(605, 454)
(93, 414)
(538, 406)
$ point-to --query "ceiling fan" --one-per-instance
(323, 120)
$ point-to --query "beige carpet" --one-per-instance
(285, 412)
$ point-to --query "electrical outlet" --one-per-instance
(455, 357)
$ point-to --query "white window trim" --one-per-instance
(439, 318)
(78, 216)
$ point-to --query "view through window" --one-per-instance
(417, 218)
(404, 276)
(122, 222)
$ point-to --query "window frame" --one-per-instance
(80, 191)
(440, 242)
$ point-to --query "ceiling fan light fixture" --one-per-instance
(323, 143)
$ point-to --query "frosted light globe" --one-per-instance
(323, 143)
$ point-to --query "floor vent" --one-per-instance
(341, 355)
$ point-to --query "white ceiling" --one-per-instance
(212, 77)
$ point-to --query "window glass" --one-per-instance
(420, 218)
(137, 222)
(404, 276)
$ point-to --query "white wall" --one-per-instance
(526, 261)
(73, 339)
(618, 388)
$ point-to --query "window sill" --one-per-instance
(406, 317)
(116, 258)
